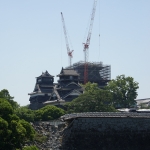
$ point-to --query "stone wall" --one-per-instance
(107, 134)
(96, 131)
(52, 131)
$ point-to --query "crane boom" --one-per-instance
(66, 39)
(86, 45)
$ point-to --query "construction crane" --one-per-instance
(67, 43)
(87, 43)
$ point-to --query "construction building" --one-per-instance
(97, 72)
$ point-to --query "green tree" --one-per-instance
(13, 131)
(5, 94)
(25, 113)
(38, 115)
(93, 99)
(90, 88)
(5, 109)
(48, 112)
(124, 91)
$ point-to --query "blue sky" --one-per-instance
(32, 40)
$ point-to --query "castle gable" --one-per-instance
(73, 85)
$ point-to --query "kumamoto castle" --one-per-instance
(46, 92)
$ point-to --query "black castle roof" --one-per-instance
(45, 74)
(66, 72)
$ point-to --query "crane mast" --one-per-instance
(87, 43)
(66, 39)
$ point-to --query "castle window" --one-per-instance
(39, 80)
(47, 80)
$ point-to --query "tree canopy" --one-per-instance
(25, 113)
(5, 94)
(93, 99)
(14, 132)
(124, 91)
(48, 112)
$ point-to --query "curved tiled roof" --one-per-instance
(105, 115)
(45, 74)
(68, 72)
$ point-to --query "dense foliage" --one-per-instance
(25, 113)
(124, 91)
(14, 132)
(48, 112)
(93, 99)
(5, 94)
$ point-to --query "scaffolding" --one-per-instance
(97, 72)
